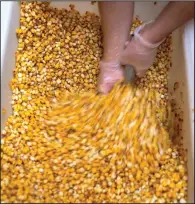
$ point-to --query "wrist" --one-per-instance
(113, 50)
(106, 64)
(110, 58)
(150, 33)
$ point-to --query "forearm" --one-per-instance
(116, 20)
(174, 15)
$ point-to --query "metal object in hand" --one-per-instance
(129, 74)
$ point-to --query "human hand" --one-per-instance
(110, 73)
(139, 52)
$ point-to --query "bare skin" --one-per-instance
(116, 22)
(174, 15)
(116, 26)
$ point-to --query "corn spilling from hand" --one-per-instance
(61, 146)
(127, 132)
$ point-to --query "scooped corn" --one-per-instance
(140, 128)
(72, 151)
(89, 145)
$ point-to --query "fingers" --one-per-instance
(105, 87)
(110, 73)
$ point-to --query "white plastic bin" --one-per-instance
(182, 70)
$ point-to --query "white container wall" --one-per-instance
(182, 70)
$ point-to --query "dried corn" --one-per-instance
(67, 159)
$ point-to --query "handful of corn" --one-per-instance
(122, 122)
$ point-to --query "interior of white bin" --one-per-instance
(182, 70)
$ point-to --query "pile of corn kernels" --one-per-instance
(58, 51)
